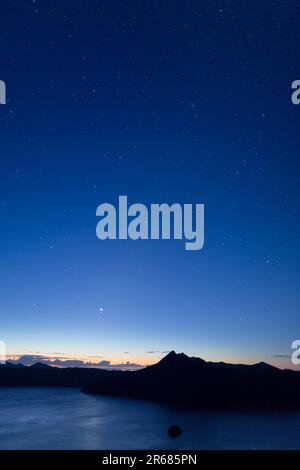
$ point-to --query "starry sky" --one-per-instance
(163, 101)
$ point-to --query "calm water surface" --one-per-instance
(58, 418)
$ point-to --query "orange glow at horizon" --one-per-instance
(148, 359)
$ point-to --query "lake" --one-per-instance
(61, 418)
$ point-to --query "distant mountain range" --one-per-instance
(178, 380)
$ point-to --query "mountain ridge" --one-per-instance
(177, 379)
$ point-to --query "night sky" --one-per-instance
(163, 101)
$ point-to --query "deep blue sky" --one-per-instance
(165, 101)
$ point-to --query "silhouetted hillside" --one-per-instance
(192, 382)
(42, 375)
(178, 380)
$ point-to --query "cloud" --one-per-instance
(157, 352)
(56, 353)
(95, 356)
(283, 356)
(29, 360)
(104, 363)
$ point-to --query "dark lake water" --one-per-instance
(58, 418)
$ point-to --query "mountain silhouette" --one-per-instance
(192, 382)
(177, 379)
